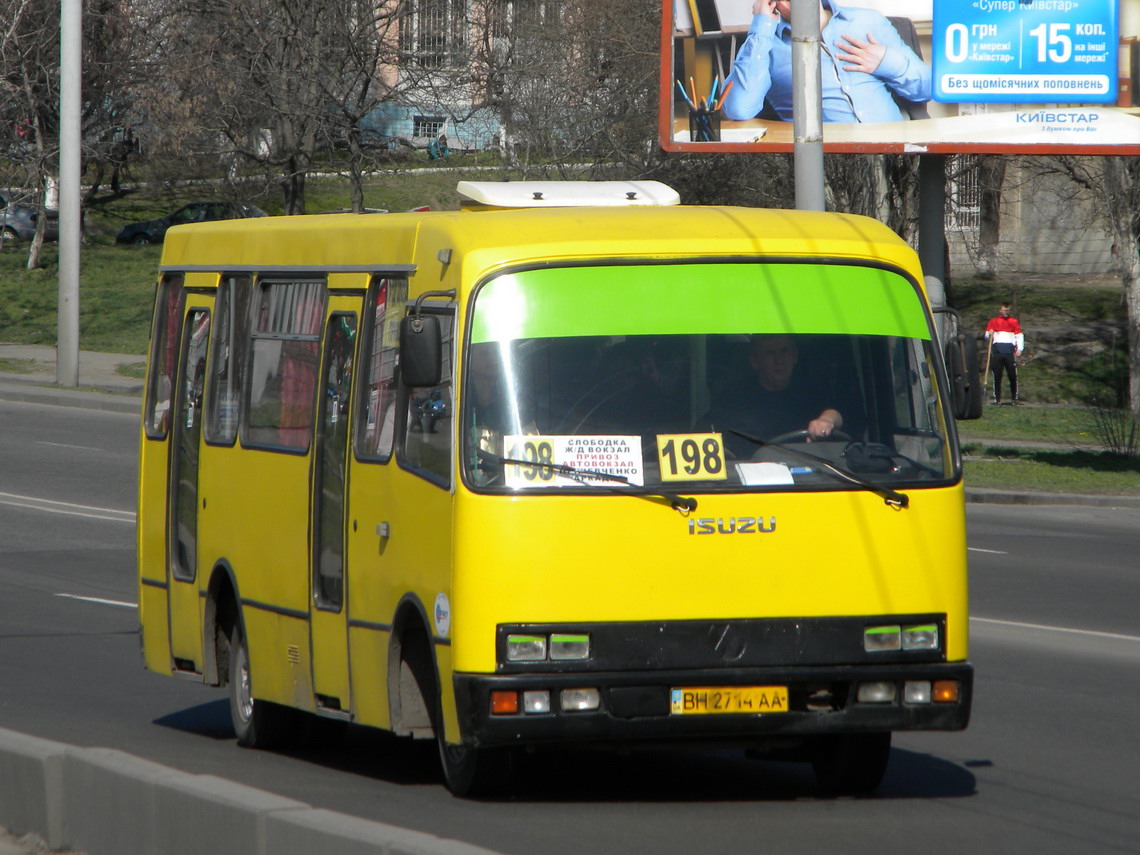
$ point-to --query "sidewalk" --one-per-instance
(27, 374)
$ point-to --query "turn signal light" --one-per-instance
(946, 692)
(504, 703)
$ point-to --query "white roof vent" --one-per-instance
(567, 194)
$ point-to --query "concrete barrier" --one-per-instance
(108, 802)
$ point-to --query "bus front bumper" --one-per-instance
(638, 706)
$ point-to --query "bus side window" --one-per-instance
(284, 356)
(425, 443)
(160, 384)
(227, 360)
(377, 409)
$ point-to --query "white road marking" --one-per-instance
(988, 551)
(69, 508)
(99, 601)
(68, 445)
(1088, 633)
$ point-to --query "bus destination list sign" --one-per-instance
(1025, 51)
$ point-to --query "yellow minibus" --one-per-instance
(575, 465)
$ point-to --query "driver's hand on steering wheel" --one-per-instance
(822, 426)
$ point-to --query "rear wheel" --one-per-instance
(851, 764)
(257, 724)
(974, 399)
(8, 235)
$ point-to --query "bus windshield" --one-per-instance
(702, 377)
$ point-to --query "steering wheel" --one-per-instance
(803, 435)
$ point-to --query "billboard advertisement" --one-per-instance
(939, 76)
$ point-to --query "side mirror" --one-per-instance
(421, 354)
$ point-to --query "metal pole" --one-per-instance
(932, 225)
(70, 95)
(807, 105)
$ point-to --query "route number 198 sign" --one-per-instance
(1025, 51)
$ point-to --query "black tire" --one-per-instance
(471, 772)
(851, 764)
(8, 235)
(956, 370)
(974, 379)
(257, 724)
(141, 240)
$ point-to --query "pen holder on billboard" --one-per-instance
(704, 126)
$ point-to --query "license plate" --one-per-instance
(710, 700)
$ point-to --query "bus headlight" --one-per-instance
(877, 638)
(526, 648)
(923, 637)
(579, 700)
(880, 692)
(569, 646)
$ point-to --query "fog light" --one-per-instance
(916, 692)
(579, 700)
(920, 637)
(504, 703)
(536, 702)
(877, 638)
(876, 693)
(946, 691)
(526, 648)
(569, 646)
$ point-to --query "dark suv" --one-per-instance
(18, 221)
(153, 231)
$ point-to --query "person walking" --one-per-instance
(1006, 341)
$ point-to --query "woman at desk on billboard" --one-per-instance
(864, 61)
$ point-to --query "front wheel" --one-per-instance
(851, 764)
(257, 724)
(476, 771)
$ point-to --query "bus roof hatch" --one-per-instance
(564, 194)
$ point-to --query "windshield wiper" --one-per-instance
(676, 501)
(890, 497)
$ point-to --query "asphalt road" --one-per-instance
(1048, 764)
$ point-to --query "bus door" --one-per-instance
(182, 519)
(329, 623)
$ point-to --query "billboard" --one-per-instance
(939, 76)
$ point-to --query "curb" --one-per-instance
(112, 401)
(106, 802)
(981, 496)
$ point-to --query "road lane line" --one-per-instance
(988, 551)
(69, 508)
(1090, 633)
(68, 445)
(99, 601)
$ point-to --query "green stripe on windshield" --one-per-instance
(709, 299)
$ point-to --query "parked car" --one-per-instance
(153, 231)
(18, 220)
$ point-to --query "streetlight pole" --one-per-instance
(807, 105)
(70, 105)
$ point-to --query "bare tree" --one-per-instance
(29, 56)
(356, 79)
(252, 82)
(29, 53)
(1108, 188)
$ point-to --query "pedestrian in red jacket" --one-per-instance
(1007, 341)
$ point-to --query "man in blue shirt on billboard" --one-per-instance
(864, 60)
